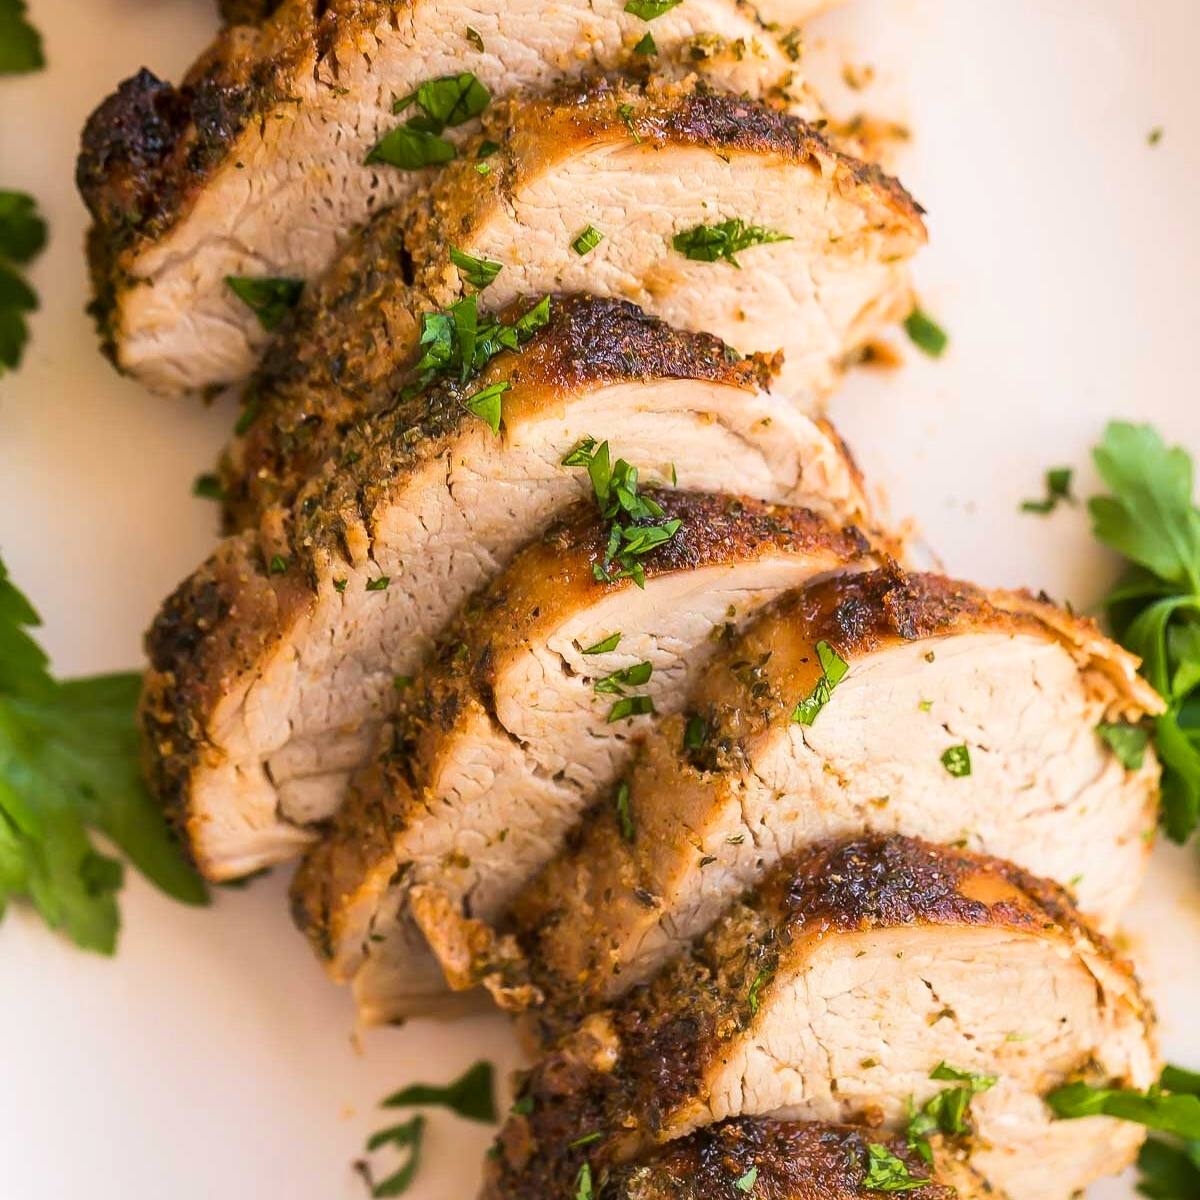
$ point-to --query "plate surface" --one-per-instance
(210, 1058)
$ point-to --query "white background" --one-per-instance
(210, 1058)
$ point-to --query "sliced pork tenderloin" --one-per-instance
(272, 666)
(835, 993)
(640, 166)
(532, 706)
(256, 166)
(789, 1160)
(948, 712)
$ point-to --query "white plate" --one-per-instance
(210, 1058)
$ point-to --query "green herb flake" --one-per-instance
(745, 1183)
(278, 565)
(646, 46)
(833, 671)
(487, 148)
(522, 1106)
(22, 237)
(695, 733)
(709, 243)
(379, 583)
(70, 765)
(411, 149)
(925, 333)
(1154, 136)
(586, 1140)
(605, 645)
(1168, 1171)
(625, 813)
(583, 1184)
(957, 761)
(475, 38)
(1127, 742)
(208, 487)
(1058, 488)
(442, 103)
(629, 707)
(945, 1111)
(478, 272)
(1174, 1112)
(625, 112)
(626, 677)
(754, 995)
(482, 169)
(487, 405)
(270, 299)
(471, 1095)
(888, 1173)
(406, 1137)
(20, 43)
(648, 10)
(587, 241)
(402, 682)
(339, 585)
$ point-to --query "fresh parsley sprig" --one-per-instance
(22, 236)
(1171, 1106)
(69, 766)
(637, 524)
(1150, 519)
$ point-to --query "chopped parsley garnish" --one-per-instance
(754, 995)
(833, 670)
(888, 1173)
(379, 583)
(251, 407)
(1168, 1171)
(278, 565)
(646, 45)
(649, 9)
(745, 1183)
(583, 1184)
(208, 487)
(626, 677)
(629, 707)
(487, 148)
(708, 243)
(695, 733)
(69, 766)
(945, 1111)
(1127, 742)
(625, 813)
(1171, 1106)
(1155, 135)
(605, 644)
(458, 342)
(270, 299)
(486, 404)
(443, 103)
(957, 760)
(471, 1095)
(1150, 519)
(625, 112)
(407, 1137)
(925, 333)
(615, 486)
(1058, 487)
(478, 272)
(339, 585)
(587, 241)
(475, 38)
(22, 236)
(20, 43)
(586, 1140)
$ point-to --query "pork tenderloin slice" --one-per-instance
(506, 738)
(639, 165)
(722, 792)
(273, 665)
(831, 994)
(784, 1160)
(255, 165)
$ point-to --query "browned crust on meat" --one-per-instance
(351, 342)
(791, 1161)
(246, 12)
(228, 615)
(546, 580)
(630, 1070)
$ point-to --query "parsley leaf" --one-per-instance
(444, 102)
(957, 761)
(486, 404)
(1058, 487)
(925, 333)
(615, 486)
(22, 236)
(746, 1182)
(478, 272)
(271, 299)
(471, 1095)
(708, 243)
(20, 42)
(625, 813)
(649, 9)
(833, 670)
(887, 1173)
(945, 1111)
(588, 239)
(1176, 1112)
(69, 764)
(583, 1184)
(1168, 1171)
(754, 995)
(208, 487)
(406, 1136)
(1149, 517)
(1127, 742)
(605, 645)
(618, 681)
(646, 45)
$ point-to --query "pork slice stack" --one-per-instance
(554, 631)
